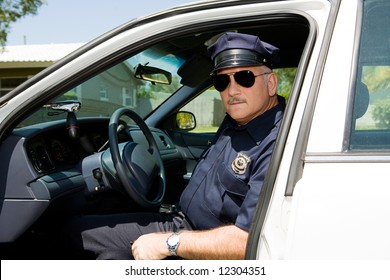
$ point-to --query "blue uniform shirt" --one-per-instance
(225, 185)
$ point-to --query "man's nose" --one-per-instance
(232, 87)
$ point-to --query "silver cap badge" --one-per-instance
(240, 163)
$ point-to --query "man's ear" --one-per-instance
(272, 84)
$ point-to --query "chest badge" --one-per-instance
(240, 163)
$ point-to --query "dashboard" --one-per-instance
(49, 153)
(51, 149)
(42, 170)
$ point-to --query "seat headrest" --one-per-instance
(362, 98)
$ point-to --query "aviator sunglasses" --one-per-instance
(244, 78)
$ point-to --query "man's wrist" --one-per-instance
(173, 243)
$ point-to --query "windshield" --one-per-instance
(119, 86)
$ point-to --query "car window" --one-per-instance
(371, 111)
(141, 82)
(144, 79)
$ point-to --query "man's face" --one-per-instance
(245, 103)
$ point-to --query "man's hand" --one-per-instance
(151, 246)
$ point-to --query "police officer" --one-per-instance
(218, 204)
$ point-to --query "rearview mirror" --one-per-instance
(153, 74)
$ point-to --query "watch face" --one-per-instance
(173, 240)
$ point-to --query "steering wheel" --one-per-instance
(139, 168)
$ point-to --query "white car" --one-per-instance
(327, 191)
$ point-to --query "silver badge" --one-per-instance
(240, 163)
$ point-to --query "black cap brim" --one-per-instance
(237, 58)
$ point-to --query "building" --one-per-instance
(18, 63)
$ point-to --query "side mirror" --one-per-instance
(185, 120)
(153, 74)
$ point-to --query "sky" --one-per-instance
(79, 21)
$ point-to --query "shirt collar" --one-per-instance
(260, 127)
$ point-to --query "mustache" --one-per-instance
(232, 100)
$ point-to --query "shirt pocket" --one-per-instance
(233, 191)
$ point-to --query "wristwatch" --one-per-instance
(173, 242)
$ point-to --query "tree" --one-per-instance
(381, 114)
(13, 10)
(286, 78)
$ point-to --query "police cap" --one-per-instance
(237, 49)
